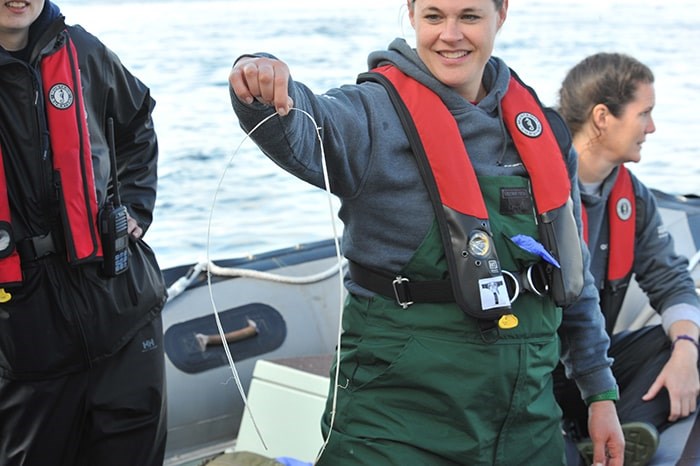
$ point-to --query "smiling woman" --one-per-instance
(427, 287)
(456, 43)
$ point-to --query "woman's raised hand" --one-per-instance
(263, 79)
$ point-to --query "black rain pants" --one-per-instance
(112, 414)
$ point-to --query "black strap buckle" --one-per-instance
(405, 291)
(36, 247)
(401, 293)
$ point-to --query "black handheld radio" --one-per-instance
(114, 227)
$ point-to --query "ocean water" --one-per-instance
(220, 197)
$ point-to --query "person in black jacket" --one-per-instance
(81, 353)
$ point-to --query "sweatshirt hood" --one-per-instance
(496, 75)
(605, 189)
(47, 16)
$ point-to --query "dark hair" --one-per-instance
(604, 78)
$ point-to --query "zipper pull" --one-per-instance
(45, 146)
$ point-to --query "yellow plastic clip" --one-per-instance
(508, 321)
(4, 296)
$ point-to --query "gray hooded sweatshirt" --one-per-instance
(385, 207)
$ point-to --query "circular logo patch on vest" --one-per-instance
(528, 124)
(61, 96)
(624, 208)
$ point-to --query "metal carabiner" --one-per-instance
(404, 303)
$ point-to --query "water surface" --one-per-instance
(183, 51)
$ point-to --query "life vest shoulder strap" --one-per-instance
(72, 162)
(431, 129)
(622, 214)
(622, 224)
(524, 116)
(71, 151)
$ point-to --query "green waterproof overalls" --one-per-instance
(420, 386)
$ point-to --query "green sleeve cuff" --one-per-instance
(612, 394)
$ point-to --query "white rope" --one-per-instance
(182, 283)
(212, 268)
(273, 277)
(219, 326)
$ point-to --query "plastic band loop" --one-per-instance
(685, 337)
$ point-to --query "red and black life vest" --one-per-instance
(622, 220)
(622, 213)
(455, 192)
(72, 161)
